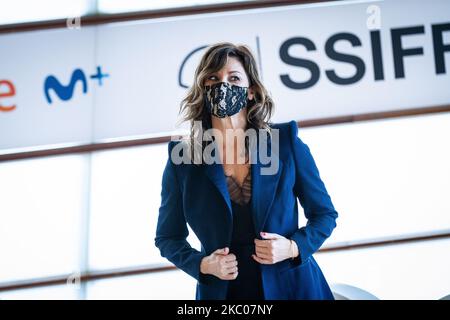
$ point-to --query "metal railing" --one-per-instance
(139, 270)
(163, 139)
(103, 18)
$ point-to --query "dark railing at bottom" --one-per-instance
(122, 272)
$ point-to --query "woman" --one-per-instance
(246, 220)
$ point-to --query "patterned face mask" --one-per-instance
(224, 100)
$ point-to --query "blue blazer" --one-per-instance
(198, 195)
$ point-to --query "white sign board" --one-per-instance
(123, 80)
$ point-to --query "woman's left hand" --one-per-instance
(273, 248)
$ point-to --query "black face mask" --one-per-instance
(224, 100)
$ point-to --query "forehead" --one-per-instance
(232, 64)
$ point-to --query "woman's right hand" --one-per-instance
(221, 264)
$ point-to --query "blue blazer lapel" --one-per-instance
(263, 186)
(216, 174)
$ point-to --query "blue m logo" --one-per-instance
(66, 92)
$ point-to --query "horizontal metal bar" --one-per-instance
(379, 242)
(83, 148)
(370, 116)
(90, 276)
(97, 19)
(164, 139)
(122, 272)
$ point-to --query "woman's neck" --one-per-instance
(233, 137)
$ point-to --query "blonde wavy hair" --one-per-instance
(259, 112)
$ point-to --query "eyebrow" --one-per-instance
(233, 71)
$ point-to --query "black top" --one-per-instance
(248, 284)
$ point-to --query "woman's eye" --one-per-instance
(233, 78)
